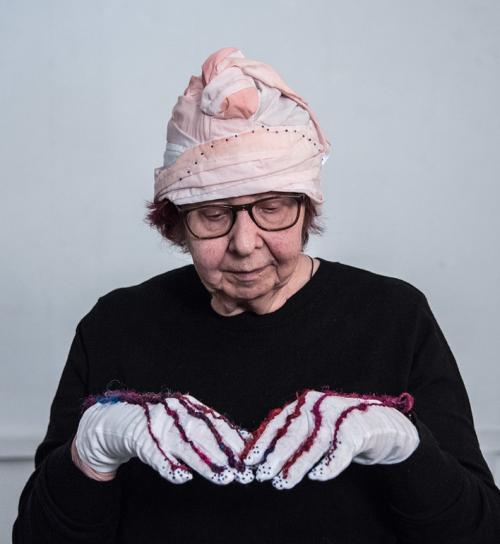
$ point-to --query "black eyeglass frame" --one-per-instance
(235, 208)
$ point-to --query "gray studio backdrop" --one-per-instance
(406, 91)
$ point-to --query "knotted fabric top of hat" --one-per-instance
(239, 130)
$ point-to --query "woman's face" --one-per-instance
(248, 265)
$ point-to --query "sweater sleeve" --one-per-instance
(59, 504)
(444, 492)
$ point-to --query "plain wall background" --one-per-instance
(407, 93)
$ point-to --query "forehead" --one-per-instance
(237, 199)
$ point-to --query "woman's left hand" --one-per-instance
(332, 428)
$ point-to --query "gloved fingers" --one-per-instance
(230, 439)
(347, 410)
(284, 447)
(280, 421)
(219, 474)
(227, 435)
(175, 454)
(166, 465)
(231, 434)
(303, 460)
(211, 463)
(192, 440)
(355, 424)
(332, 464)
(244, 476)
(197, 432)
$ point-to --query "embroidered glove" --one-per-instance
(163, 430)
(334, 429)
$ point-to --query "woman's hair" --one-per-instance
(164, 217)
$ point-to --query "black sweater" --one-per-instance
(347, 328)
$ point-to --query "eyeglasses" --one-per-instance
(273, 213)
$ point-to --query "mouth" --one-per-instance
(248, 274)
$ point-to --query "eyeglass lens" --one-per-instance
(276, 213)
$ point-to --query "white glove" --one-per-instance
(161, 431)
(334, 429)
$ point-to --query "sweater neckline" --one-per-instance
(250, 320)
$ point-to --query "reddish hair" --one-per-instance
(165, 218)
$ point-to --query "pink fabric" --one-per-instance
(239, 129)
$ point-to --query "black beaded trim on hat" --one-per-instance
(253, 131)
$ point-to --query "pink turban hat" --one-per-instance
(240, 130)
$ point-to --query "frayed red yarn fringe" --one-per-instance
(403, 402)
(194, 409)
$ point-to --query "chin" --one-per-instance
(247, 292)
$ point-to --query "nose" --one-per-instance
(244, 237)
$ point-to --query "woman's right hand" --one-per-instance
(164, 434)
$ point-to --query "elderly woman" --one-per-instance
(259, 395)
